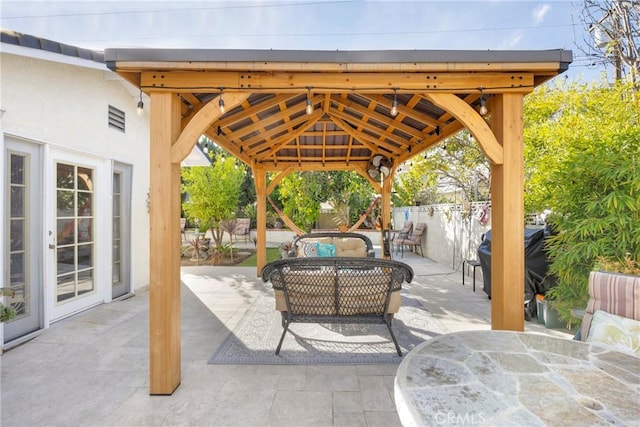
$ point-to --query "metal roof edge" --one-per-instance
(338, 56)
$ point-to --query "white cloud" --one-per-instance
(510, 43)
(540, 12)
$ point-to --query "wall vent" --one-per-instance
(116, 118)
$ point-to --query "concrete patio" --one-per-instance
(92, 369)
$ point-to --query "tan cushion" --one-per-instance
(365, 292)
(350, 247)
(317, 296)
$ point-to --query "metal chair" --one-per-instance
(400, 235)
(415, 239)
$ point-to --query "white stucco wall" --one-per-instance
(63, 102)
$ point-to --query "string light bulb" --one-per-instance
(394, 105)
(483, 105)
(309, 108)
(140, 105)
(221, 103)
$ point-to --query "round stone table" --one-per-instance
(502, 378)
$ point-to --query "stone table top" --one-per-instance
(503, 378)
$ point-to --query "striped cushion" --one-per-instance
(614, 293)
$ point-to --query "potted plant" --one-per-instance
(7, 312)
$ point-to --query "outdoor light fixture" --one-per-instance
(483, 105)
(309, 108)
(140, 105)
(394, 106)
(221, 103)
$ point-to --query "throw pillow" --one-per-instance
(309, 249)
(326, 250)
(615, 331)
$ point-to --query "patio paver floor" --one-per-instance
(92, 368)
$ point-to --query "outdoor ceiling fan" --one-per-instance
(379, 165)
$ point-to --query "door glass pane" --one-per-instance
(84, 204)
(66, 260)
(84, 179)
(17, 269)
(65, 203)
(116, 205)
(116, 228)
(116, 251)
(75, 249)
(66, 231)
(85, 257)
(65, 176)
(85, 230)
(85, 282)
(18, 165)
(66, 287)
(17, 201)
(18, 282)
(17, 234)
(116, 183)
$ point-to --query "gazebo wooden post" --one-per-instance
(386, 214)
(164, 210)
(260, 179)
(507, 210)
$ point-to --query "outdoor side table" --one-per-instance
(470, 263)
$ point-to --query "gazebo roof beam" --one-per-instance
(264, 82)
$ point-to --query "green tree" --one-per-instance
(458, 162)
(214, 191)
(247, 192)
(302, 193)
(582, 154)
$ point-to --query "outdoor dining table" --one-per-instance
(512, 378)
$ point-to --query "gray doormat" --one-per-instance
(255, 338)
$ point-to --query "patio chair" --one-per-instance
(414, 240)
(243, 228)
(400, 235)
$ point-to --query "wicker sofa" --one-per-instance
(337, 290)
(345, 244)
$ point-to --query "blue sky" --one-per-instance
(308, 25)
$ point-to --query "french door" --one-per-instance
(121, 230)
(76, 228)
(23, 229)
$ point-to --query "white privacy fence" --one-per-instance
(454, 230)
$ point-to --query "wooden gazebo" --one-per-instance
(284, 111)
